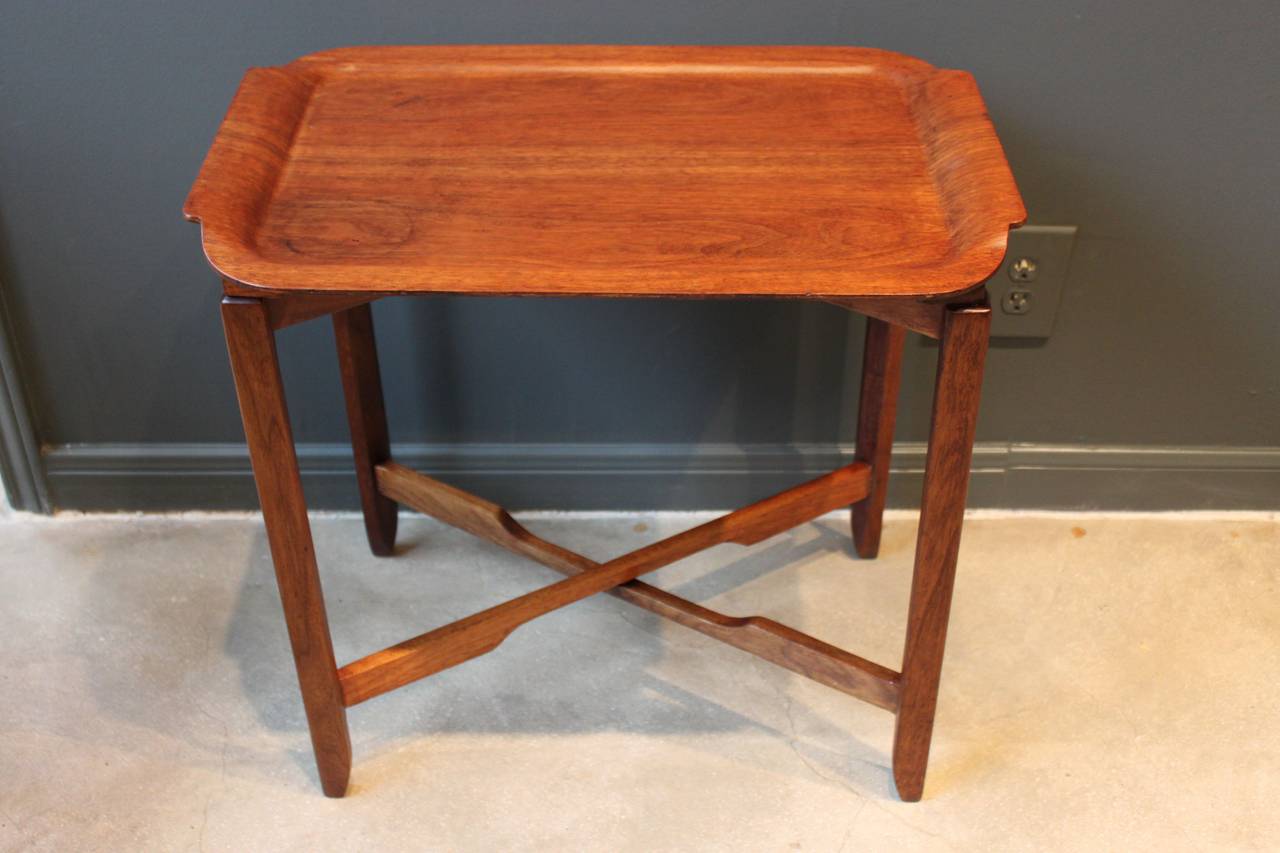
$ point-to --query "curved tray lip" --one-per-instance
(603, 58)
(270, 105)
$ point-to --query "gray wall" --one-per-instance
(1154, 133)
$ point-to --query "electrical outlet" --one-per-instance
(1027, 288)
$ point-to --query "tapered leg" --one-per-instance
(251, 344)
(946, 480)
(877, 409)
(358, 360)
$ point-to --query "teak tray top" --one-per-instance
(859, 177)
(623, 171)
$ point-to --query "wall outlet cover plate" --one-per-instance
(1027, 288)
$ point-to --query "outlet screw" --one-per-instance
(1023, 269)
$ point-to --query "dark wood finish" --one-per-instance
(877, 411)
(299, 307)
(367, 418)
(922, 317)
(757, 635)
(957, 389)
(482, 632)
(626, 171)
(251, 345)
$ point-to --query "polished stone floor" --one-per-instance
(1112, 683)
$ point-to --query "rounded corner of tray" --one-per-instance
(977, 262)
(315, 62)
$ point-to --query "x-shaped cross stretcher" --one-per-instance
(475, 635)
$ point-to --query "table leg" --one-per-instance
(961, 356)
(877, 409)
(362, 384)
(251, 345)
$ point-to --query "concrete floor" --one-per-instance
(1112, 683)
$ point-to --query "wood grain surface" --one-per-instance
(256, 369)
(367, 420)
(297, 308)
(857, 176)
(923, 317)
(760, 636)
(877, 413)
(482, 632)
(957, 389)
(624, 171)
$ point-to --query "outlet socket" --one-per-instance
(1026, 290)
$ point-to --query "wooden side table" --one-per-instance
(859, 177)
